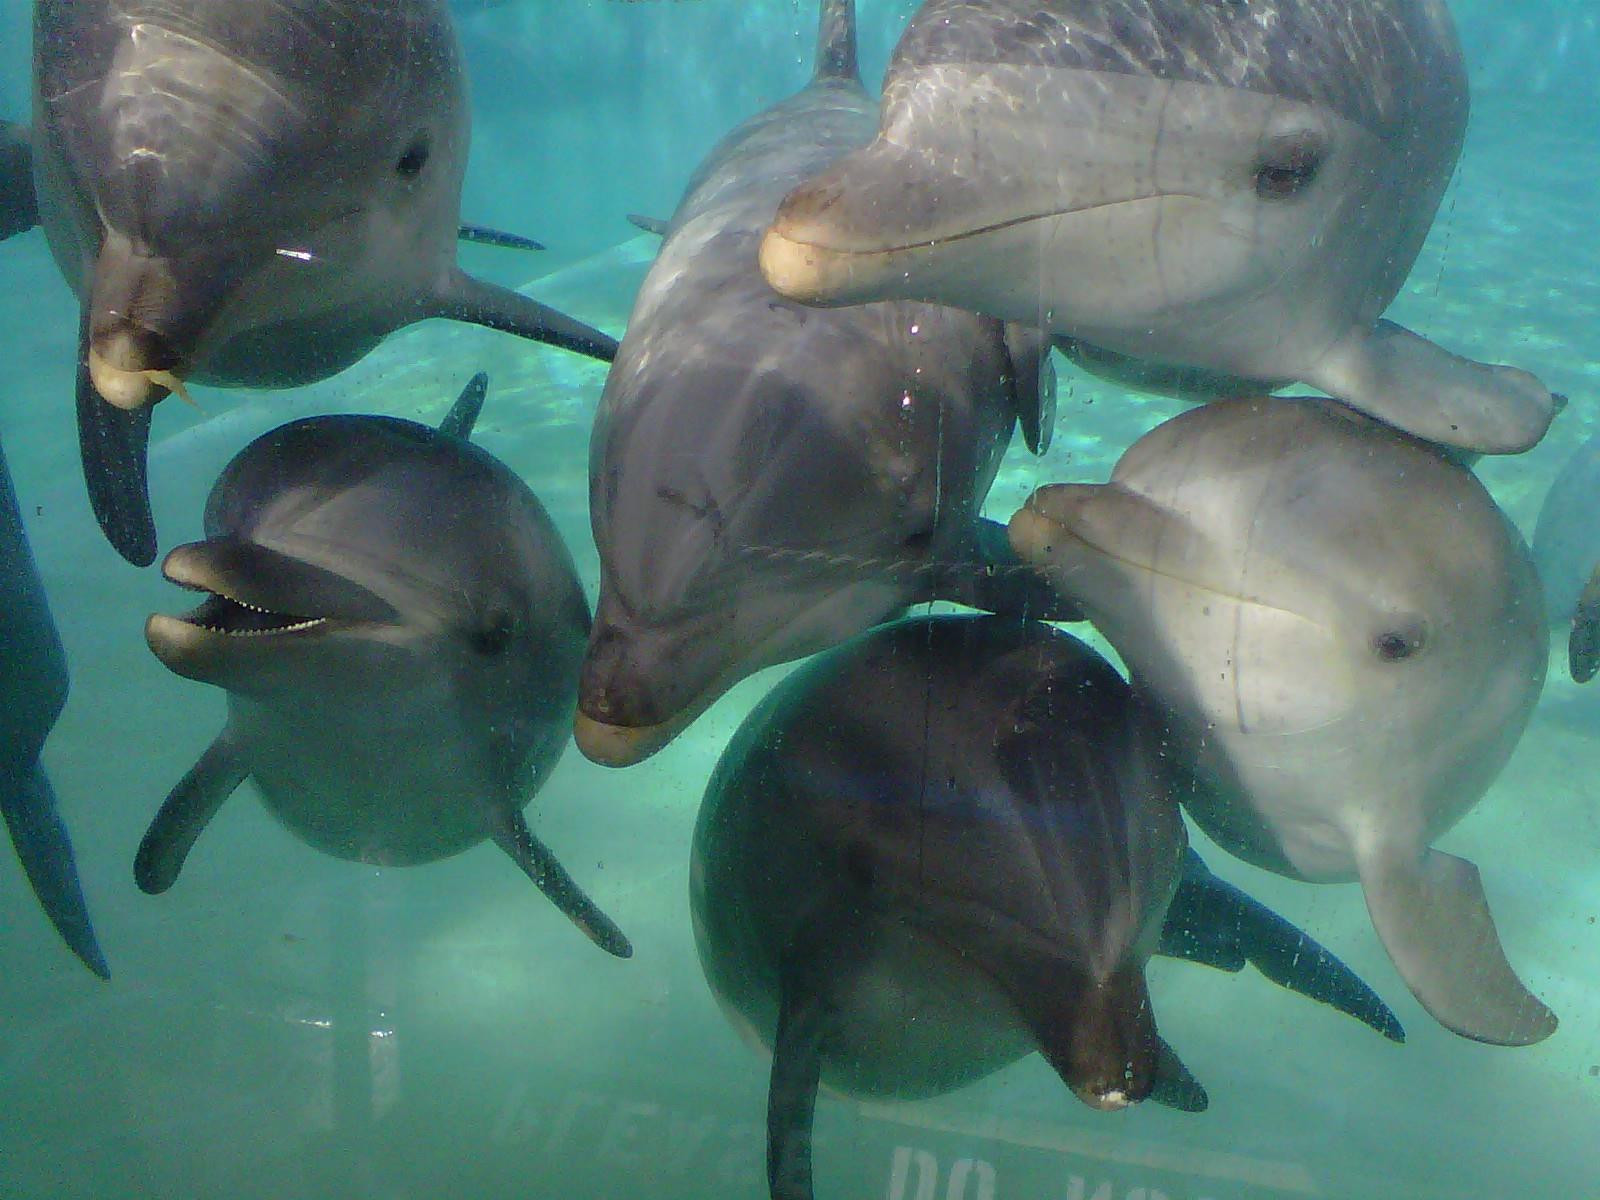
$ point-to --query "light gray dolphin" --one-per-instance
(767, 480)
(18, 210)
(1200, 198)
(950, 843)
(33, 691)
(251, 193)
(1566, 548)
(1348, 637)
(398, 626)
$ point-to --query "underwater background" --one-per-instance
(283, 1024)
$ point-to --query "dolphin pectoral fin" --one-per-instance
(993, 578)
(19, 207)
(463, 298)
(1406, 381)
(1212, 922)
(482, 235)
(653, 225)
(792, 1090)
(1583, 645)
(1174, 1086)
(114, 445)
(186, 812)
(1033, 384)
(1434, 921)
(28, 803)
(511, 834)
(463, 415)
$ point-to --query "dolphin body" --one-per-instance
(398, 626)
(945, 845)
(18, 209)
(1566, 549)
(249, 193)
(1202, 199)
(767, 480)
(1347, 637)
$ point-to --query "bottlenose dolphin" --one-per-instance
(1200, 198)
(1348, 637)
(950, 843)
(33, 691)
(250, 193)
(768, 480)
(1566, 548)
(398, 626)
(18, 210)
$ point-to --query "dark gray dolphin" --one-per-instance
(398, 626)
(767, 480)
(1348, 638)
(33, 691)
(1200, 198)
(950, 843)
(249, 192)
(1566, 549)
(18, 210)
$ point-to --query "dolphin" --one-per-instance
(765, 479)
(1566, 549)
(33, 691)
(18, 209)
(1201, 199)
(1348, 638)
(398, 626)
(249, 193)
(949, 843)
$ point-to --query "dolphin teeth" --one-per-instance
(238, 618)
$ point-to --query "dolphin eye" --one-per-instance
(1400, 643)
(414, 159)
(494, 637)
(1288, 170)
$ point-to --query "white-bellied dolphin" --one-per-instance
(1200, 198)
(1348, 638)
(33, 691)
(945, 845)
(249, 192)
(767, 480)
(398, 626)
(1566, 549)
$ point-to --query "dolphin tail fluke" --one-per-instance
(482, 235)
(514, 837)
(40, 837)
(463, 298)
(1408, 382)
(1434, 921)
(1583, 645)
(836, 40)
(792, 1090)
(19, 208)
(1212, 922)
(463, 415)
(114, 445)
(186, 812)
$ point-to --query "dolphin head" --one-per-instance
(1155, 179)
(389, 578)
(236, 171)
(1340, 614)
(771, 493)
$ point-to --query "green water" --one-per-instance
(282, 1024)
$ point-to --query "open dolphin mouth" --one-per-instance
(239, 618)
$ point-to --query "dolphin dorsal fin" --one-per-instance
(836, 41)
(463, 414)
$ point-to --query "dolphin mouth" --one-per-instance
(220, 613)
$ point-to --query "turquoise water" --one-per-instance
(283, 1024)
